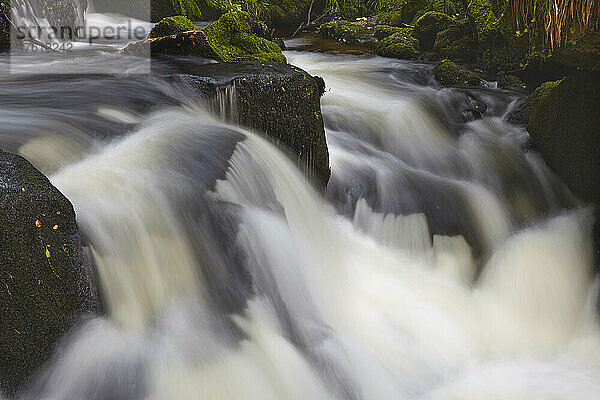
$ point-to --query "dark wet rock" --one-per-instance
(279, 100)
(429, 25)
(4, 27)
(564, 126)
(401, 44)
(280, 42)
(171, 26)
(45, 280)
(448, 73)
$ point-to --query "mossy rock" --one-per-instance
(171, 26)
(511, 82)
(457, 43)
(429, 25)
(522, 112)
(392, 18)
(46, 284)
(284, 14)
(383, 31)
(160, 9)
(213, 9)
(564, 127)
(399, 45)
(232, 37)
(448, 73)
(345, 32)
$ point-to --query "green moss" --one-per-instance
(393, 18)
(345, 32)
(457, 43)
(233, 39)
(172, 26)
(507, 81)
(429, 25)
(213, 9)
(383, 31)
(168, 8)
(401, 44)
(448, 73)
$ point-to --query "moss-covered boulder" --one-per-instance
(392, 18)
(511, 82)
(457, 42)
(212, 10)
(45, 280)
(284, 14)
(429, 25)
(522, 111)
(448, 73)
(382, 31)
(399, 45)
(398, 13)
(345, 32)
(171, 26)
(565, 126)
(160, 9)
(233, 37)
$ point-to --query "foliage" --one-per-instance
(556, 20)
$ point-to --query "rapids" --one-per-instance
(444, 261)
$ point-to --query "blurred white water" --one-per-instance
(226, 275)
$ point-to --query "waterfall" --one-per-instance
(49, 21)
(458, 269)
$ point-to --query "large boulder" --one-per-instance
(457, 42)
(401, 44)
(45, 280)
(564, 126)
(429, 25)
(280, 100)
(448, 73)
(522, 112)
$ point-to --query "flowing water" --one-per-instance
(443, 262)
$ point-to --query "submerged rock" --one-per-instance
(45, 278)
(448, 73)
(401, 44)
(171, 26)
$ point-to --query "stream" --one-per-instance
(444, 261)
